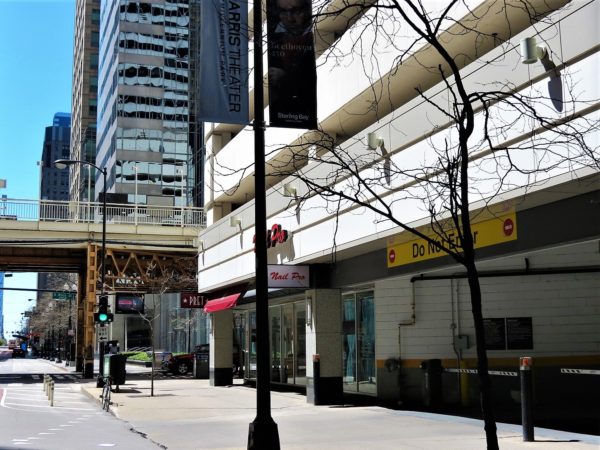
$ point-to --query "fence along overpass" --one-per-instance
(142, 242)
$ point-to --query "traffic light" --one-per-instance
(103, 316)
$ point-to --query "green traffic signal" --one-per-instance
(102, 317)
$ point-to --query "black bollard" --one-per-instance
(317, 379)
(526, 398)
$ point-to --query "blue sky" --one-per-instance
(36, 54)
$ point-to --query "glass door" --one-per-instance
(365, 326)
(288, 344)
(275, 343)
(251, 350)
(358, 334)
(300, 343)
(349, 342)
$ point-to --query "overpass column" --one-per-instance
(87, 311)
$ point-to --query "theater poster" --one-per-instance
(223, 61)
(291, 60)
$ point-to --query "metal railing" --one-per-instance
(84, 212)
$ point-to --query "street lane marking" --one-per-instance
(61, 408)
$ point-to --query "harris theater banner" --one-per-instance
(223, 61)
(291, 60)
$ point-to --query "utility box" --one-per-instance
(201, 363)
(114, 366)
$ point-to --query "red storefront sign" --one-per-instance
(276, 235)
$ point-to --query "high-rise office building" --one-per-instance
(84, 97)
(54, 183)
(147, 135)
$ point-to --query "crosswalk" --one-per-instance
(77, 378)
(38, 378)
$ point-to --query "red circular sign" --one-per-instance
(508, 227)
(392, 256)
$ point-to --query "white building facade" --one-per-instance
(375, 318)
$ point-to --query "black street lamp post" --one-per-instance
(61, 164)
(262, 433)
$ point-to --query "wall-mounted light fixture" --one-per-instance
(289, 190)
(235, 222)
(309, 312)
(374, 141)
(531, 52)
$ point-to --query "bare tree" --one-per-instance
(483, 137)
(49, 312)
(160, 280)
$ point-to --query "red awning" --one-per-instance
(220, 304)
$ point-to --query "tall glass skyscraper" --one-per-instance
(147, 136)
(84, 103)
(54, 183)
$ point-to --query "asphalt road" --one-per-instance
(74, 422)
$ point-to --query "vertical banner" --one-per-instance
(223, 64)
(292, 70)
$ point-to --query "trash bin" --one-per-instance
(201, 363)
(432, 382)
(114, 365)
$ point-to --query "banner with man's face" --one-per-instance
(292, 70)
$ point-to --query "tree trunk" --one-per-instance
(152, 371)
(485, 383)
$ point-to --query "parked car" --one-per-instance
(18, 353)
(179, 364)
(184, 363)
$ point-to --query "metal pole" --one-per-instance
(263, 433)
(136, 194)
(189, 333)
(100, 381)
(526, 399)
(89, 196)
(103, 273)
(69, 338)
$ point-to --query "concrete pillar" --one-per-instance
(221, 347)
(324, 338)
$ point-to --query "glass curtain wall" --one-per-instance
(358, 334)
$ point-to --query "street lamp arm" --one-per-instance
(62, 163)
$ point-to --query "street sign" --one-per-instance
(63, 295)
(102, 333)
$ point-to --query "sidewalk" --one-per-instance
(190, 414)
